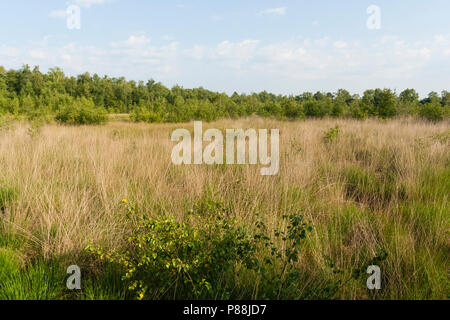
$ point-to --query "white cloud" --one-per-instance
(388, 60)
(298, 63)
(441, 39)
(425, 52)
(274, 11)
(167, 38)
(9, 51)
(340, 44)
(197, 52)
(89, 3)
(58, 14)
(134, 41)
(235, 54)
(241, 50)
(62, 14)
(38, 54)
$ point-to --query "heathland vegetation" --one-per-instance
(107, 198)
(352, 190)
(87, 99)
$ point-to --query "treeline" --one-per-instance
(89, 98)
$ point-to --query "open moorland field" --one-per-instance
(109, 199)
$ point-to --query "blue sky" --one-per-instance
(283, 47)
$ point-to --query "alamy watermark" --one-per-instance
(73, 17)
(232, 153)
(374, 281)
(74, 280)
(374, 20)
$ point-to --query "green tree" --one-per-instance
(445, 98)
(409, 96)
(385, 103)
(432, 112)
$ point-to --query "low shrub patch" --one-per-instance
(82, 112)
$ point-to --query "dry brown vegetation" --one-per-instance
(378, 185)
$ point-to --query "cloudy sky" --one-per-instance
(284, 47)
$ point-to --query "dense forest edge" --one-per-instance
(85, 99)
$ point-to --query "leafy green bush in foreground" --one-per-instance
(200, 258)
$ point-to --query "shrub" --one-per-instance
(331, 135)
(313, 109)
(277, 270)
(385, 103)
(293, 110)
(6, 122)
(431, 112)
(165, 257)
(82, 112)
(337, 110)
(143, 115)
(360, 112)
(199, 258)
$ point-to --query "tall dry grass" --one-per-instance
(379, 185)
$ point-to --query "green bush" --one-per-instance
(82, 112)
(199, 258)
(360, 112)
(313, 109)
(6, 122)
(167, 258)
(431, 112)
(143, 115)
(277, 271)
(385, 103)
(293, 110)
(332, 134)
